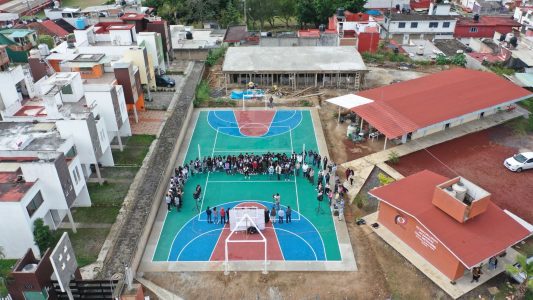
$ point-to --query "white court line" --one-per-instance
(195, 238)
(176, 236)
(288, 118)
(225, 121)
(214, 145)
(297, 235)
(203, 196)
(254, 151)
(249, 181)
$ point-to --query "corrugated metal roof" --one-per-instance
(472, 242)
(406, 106)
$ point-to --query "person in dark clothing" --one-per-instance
(227, 215)
(288, 214)
(208, 213)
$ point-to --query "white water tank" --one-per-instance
(29, 268)
(460, 191)
(450, 191)
(43, 49)
(35, 53)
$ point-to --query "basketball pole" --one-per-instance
(199, 154)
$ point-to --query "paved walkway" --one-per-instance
(364, 166)
(461, 286)
(150, 122)
(66, 225)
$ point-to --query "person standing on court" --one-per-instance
(208, 213)
(273, 214)
(281, 215)
(168, 200)
(288, 214)
(278, 171)
(222, 216)
(215, 215)
(341, 209)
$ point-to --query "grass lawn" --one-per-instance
(108, 194)
(87, 243)
(81, 3)
(104, 215)
(136, 148)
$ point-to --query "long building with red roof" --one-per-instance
(451, 223)
(419, 107)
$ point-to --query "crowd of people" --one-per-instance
(278, 166)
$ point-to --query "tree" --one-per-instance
(286, 10)
(527, 270)
(43, 236)
(46, 39)
(352, 5)
(305, 12)
(230, 15)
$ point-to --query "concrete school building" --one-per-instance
(451, 223)
(338, 67)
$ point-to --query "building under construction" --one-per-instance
(330, 67)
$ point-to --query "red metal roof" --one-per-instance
(54, 28)
(406, 106)
(356, 17)
(309, 33)
(488, 21)
(419, 4)
(10, 190)
(132, 17)
(472, 242)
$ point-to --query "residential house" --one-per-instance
(403, 27)
(356, 29)
(189, 43)
(46, 27)
(484, 27)
(524, 16)
(19, 41)
(40, 177)
(60, 98)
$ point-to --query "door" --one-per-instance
(528, 164)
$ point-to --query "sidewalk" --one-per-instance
(364, 166)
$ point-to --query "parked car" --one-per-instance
(164, 81)
(519, 162)
(520, 277)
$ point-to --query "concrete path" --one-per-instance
(364, 166)
(66, 225)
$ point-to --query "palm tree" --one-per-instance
(527, 270)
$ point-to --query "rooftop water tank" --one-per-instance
(29, 268)
(460, 191)
(449, 190)
(188, 35)
(79, 23)
(35, 53)
(43, 50)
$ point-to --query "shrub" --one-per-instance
(46, 39)
(384, 179)
(361, 200)
(43, 236)
(202, 93)
(214, 55)
(394, 158)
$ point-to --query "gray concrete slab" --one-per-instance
(255, 60)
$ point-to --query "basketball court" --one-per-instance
(185, 241)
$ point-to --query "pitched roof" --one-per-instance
(65, 25)
(235, 34)
(472, 242)
(409, 105)
(55, 29)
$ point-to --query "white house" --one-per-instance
(40, 177)
(403, 27)
(524, 16)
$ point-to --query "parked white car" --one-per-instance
(520, 277)
(519, 162)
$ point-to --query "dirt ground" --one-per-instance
(479, 157)
(382, 274)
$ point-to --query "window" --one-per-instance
(76, 175)
(34, 204)
(414, 24)
(433, 24)
(473, 29)
(401, 25)
(446, 25)
(71, 152)
(67, 89)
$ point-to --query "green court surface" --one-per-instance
(185, 235)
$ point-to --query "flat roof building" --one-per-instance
(295, 66)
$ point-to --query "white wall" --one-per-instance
(423, 27)
(46, 173)
(150, 43)
(8, 92)
(78, 131)
(16, 226)
(121, 37)
(105, 106)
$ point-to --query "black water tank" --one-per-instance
(188, 35)
(322, 28)
(476, 18)
(340, 12)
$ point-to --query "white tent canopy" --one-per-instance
(348, 101)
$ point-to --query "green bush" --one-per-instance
(214, 55)
(500, 69)
(361, 200)
(458, 60)
(44, 238)
(46, 39)
(384, 179)
(203, 92)
(394, 158)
